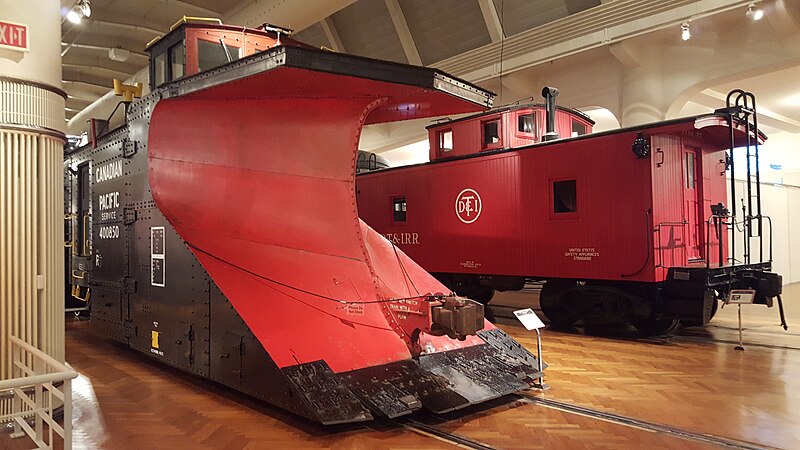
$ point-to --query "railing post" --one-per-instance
(67, 414)
(16, 402)
(38, 397)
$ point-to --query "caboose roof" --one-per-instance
(578, 113)
(715, 123)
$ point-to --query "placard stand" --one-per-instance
(740, 297)
(741, 345)
(531, 321)
(540, 384)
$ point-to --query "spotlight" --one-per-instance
(81, 9)
(685, 33)
(73, 16)
(753, 12)
(86, 8)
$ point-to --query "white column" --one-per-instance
(31, 181)
(642, 96)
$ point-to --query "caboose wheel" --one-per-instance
(651, 326)
(481, 295)
(553, 309)
(714, 308)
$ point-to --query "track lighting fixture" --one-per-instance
(81, 9)
(685, 33)
(753, 12)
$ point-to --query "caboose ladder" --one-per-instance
(741, 106)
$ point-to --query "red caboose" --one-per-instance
(628, 224)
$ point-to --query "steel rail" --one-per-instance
(645, 425)
(431, 431)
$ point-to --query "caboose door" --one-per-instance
(692, 201)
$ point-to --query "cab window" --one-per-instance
(160, 68)
(211, 54)
(177, 61)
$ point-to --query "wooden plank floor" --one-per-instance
(692, 382)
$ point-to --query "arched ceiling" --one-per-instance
(590, 49)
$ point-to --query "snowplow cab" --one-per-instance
(196, 44)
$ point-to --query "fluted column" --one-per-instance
(31, 182)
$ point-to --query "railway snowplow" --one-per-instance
(243, 257)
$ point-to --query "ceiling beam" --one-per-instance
(197, 9)
(127, 26)
(83, 91)
(401, 26)
(78, 103)
(107, 40)
(332, 34)
(78, 76)
(105, 48)
(104, 15)
(595, 27)
(95, 68)
(292, 14)
(101, 61)
(493, 22)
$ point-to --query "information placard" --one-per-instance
(529, 319)
(741, 296)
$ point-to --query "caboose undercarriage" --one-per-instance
(690, 295)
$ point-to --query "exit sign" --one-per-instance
(13, 36)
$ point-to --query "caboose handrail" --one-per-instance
(731, 225)
(657, 231)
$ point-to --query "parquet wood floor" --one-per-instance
(126, 401)
(692, 381)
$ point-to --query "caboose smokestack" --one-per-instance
(550, 94)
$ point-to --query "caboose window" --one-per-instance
(565, 196)
(177, 61)
(446, 141)
(399, 209)
(578, 129)
(525, 123)
(689, 163)
(212, 54)
(491, 134)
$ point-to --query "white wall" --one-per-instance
(782, 204)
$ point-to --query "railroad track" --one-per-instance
(442, 435)
(644, 425)
(461, 441)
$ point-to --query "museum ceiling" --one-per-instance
(590, 49)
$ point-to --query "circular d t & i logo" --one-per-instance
(468, 206)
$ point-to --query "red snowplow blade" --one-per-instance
(256, 174)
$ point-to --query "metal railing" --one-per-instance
(32, 371)
(729, 223)
(657, 232)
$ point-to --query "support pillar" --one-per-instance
(642, 96)
(31, 181)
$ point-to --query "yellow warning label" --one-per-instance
(154, 338)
